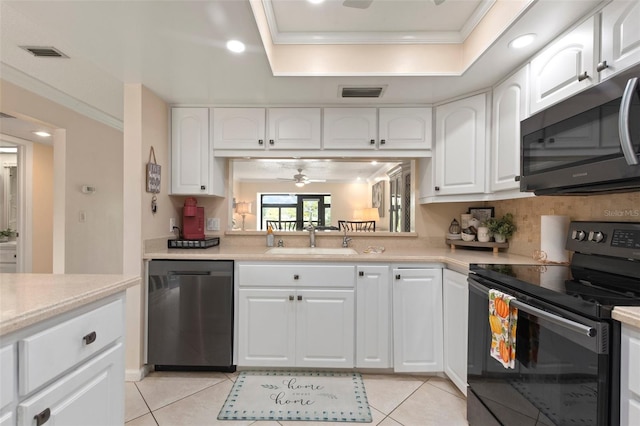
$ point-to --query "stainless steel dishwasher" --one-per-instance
(190, 314)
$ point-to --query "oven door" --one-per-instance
(561, 373)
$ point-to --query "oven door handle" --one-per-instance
(556, 319)
(623, 123)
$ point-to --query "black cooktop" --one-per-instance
(564, 286)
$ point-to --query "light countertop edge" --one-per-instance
(27, 299)
(629, 315)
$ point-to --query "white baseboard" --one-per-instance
(132, 375)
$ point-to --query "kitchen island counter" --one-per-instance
(26, 299)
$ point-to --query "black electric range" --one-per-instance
(567, 358)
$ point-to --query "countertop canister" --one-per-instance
(553, 234)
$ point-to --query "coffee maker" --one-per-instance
(192, 220)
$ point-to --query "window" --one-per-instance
(301, 208)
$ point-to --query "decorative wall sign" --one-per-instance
(377, 197)
(153, 173)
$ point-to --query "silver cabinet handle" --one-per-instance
(372, 142)
(299, 297)
(90, 338)
(260, 142)
(291, 297)
(623, 122)
(602, 66)
(583, 76)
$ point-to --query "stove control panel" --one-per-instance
(618, 239)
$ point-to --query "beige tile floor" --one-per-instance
(194, 399)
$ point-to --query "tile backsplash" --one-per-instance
(527, 212)
(435, 218)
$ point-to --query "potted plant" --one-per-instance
(5, 234)
(502, 228)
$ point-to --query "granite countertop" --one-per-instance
(26, 299)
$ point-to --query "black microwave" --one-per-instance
(586, 144)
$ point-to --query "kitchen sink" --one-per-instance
(311, 250)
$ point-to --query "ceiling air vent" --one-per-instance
(44, 51)
(3, 115)
(362, 92)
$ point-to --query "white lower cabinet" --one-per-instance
(417, 320)
(373, 317)
(293, 325)
(630, 382)
(455, 302)
(86, 396)
(68, 370)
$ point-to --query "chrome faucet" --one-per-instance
(312, 235)
(345, 240)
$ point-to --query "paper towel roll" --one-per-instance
(553, 236)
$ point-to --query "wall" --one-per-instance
(42, 205)
(93, 156)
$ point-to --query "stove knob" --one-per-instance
(578, 235)
(596, 237)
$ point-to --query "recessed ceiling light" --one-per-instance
(8, 150)
(235, 46)
(374, 162)
(42, 134)
(315, 1)
(522, 41)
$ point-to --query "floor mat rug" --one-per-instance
(310, 396)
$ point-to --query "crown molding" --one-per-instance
(353, 37)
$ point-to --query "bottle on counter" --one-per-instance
(270, 236)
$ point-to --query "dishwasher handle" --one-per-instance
(174, 273)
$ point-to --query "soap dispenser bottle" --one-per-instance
(270, 236)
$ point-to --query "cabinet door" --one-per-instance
(405, 128)
(620, 36)
(373, 317)
(417, 320)
(89, 395)
(509, 108)
(455, 298)
(460, 146)
(630, 379)
(267, 327)
(564, 68)
(238, 128)
(191, 158)
(350, 128)
(8, 369)
(294, 128)
(325, 328)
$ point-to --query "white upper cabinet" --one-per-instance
(294, 128)
(372, 128)
(564, 68)
(194, 170)
(460, 146)
(350, 128)
(620, 36)
(238, 128)
(405, 128)
(509, 108)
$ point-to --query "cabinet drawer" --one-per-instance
(7, 256)
(47, 354)
(7, 374)
(297, 275)
(83, 396)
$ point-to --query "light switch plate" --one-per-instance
(213, 224)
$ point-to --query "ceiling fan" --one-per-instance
(301, 179)
(364, 4)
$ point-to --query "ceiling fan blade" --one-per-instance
(357, 4)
